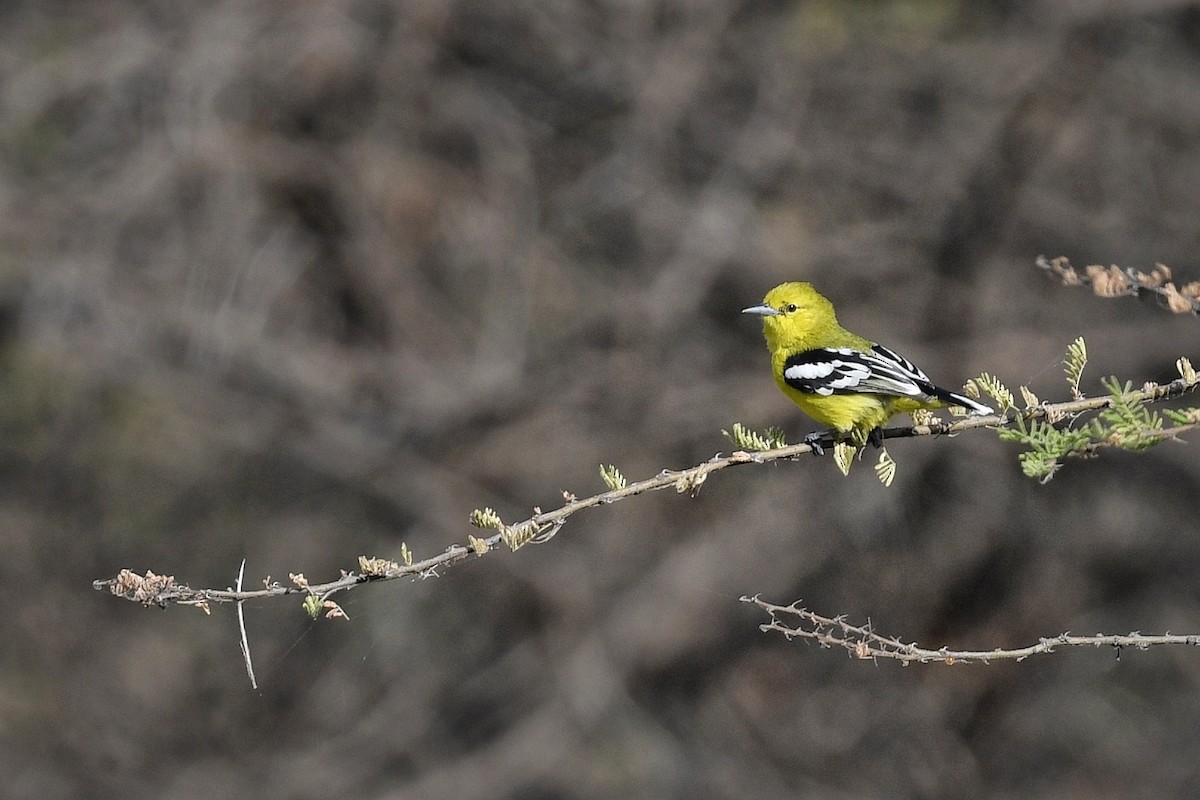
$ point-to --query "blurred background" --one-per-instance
(299, 281)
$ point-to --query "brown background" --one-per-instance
(298, 281)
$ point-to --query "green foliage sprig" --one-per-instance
(1073, 365)
(885, 468)
(612, 477)
(991, 386)
(749, 439)
(1124, 421)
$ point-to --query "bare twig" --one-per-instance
(244, 641)
(163, 590)
(861, 641)
(1112, 281)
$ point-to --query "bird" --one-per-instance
(838, 378)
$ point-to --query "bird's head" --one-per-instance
(792, 313)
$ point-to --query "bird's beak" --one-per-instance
(762, 311)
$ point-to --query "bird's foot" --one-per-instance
(819, 440)
(875, 437)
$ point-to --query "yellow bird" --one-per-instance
(838, 378)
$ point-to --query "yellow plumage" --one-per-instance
(838, 378)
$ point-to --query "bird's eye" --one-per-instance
(791, 307)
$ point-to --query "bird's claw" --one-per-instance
(814, 440)
(875, 437)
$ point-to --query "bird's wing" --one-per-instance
(843, 370)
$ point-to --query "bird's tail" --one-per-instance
(955, 399)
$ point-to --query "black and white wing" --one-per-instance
(844, 370)
(828, 371)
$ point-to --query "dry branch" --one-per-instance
(164, 590)
(861, 641)
(1112, 281)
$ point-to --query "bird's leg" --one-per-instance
(875, 437)
(818, 439)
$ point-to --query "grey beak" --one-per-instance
(762, 311)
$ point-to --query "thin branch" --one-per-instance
(244, 641)
(1112, 281)
(861, 641)
(163, 590)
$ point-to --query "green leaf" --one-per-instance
(993, 388)
(748, 439)
(885, 468)
(1074, 363)
(612, 477)
(843, 456)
